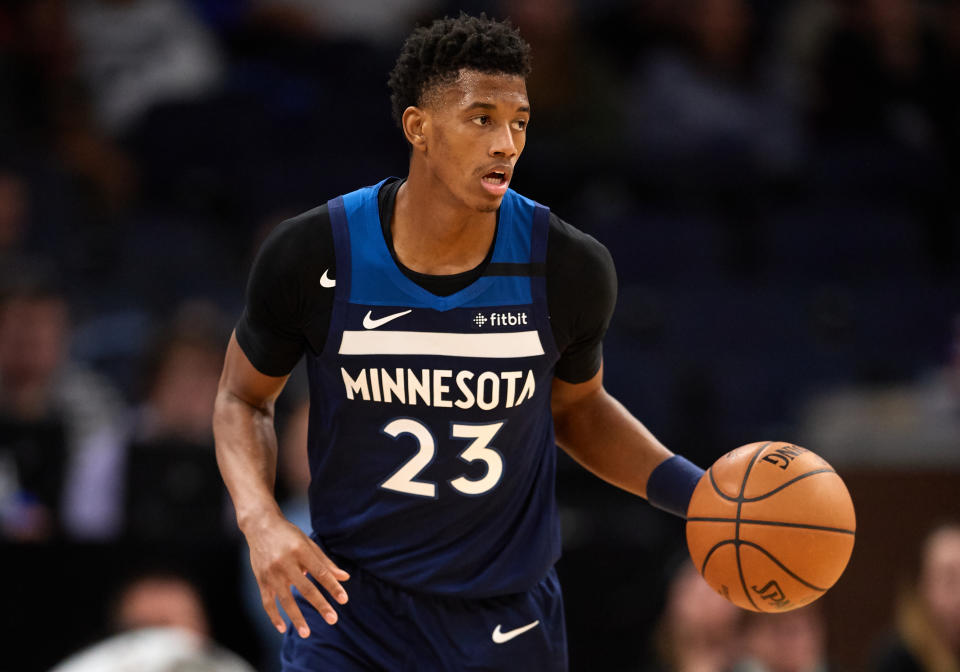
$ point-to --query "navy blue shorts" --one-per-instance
(383, 627)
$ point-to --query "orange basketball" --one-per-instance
(770, 526)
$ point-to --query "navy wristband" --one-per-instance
(672, 483)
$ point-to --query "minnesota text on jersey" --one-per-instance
(486, 390)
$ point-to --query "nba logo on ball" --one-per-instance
(771, 526)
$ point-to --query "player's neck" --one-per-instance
(436, 235)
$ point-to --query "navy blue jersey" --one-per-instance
(431, 441)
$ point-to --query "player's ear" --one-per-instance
(414, 122)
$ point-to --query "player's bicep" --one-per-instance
(242, 381)
(568, 399)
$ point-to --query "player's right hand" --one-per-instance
(282, 556)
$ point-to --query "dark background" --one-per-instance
(777, 182)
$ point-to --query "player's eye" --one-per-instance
(482, 120)
(520, 125)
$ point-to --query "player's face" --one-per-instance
(477, 128)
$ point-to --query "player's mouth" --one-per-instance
(496, 182)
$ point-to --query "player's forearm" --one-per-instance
(606, 439)
(247, 456)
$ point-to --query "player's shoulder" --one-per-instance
(301, 234)
(298, 243)
(569, 247)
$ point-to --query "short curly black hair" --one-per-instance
(436, 53)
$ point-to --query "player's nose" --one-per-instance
(503, 143)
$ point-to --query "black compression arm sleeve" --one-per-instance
(581, 294)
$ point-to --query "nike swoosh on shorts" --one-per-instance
(501, 637)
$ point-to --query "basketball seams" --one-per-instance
(782, 566)
(757, 498)
(780, 487)
(737, 542)
(716, 488)
(706, 559)
(773, 558)
(746, 473)
(775, 523)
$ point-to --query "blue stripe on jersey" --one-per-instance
(432, 453)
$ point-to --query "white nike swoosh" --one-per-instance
(370, 323)
(325, 280)
(501, 637)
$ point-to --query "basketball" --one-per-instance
(770, 526)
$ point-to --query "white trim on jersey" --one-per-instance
(494, 346)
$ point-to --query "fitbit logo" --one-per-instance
(508, 319)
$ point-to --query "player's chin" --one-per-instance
(489, 202)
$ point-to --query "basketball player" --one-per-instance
(452, 330)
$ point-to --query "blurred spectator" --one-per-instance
(288, 103)
(158, 599)
(702, 113)
(163, 627)
(887, 114)
(928, 619)
(182, 376)
(153, 650)
(343, 20)
(58, 418)
(134, 54)
(13, 213)
(799, 37)
(883, 73)
(698, 630)
(39, 216)
(44, 112)
(173, 490)
(35, 62)
(794, 641)
(710, 125)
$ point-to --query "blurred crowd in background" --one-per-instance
(777, 181)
